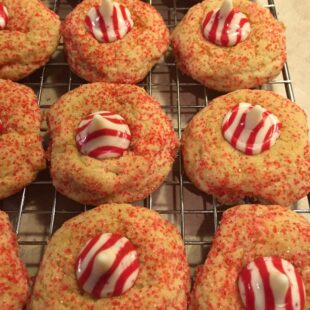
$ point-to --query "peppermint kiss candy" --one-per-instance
(109, 22)
(271, 283)
(4, 16)
(225, 26)
(250, 129)
(107, 266)
(103, 135)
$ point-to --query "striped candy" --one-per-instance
(250, 129)
(107, 266)
(225, 26)
(109, 22)
(4, 16)
(271, 283)
(103, 135)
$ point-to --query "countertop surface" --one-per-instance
(296, 17)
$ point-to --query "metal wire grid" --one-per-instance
(52, 209)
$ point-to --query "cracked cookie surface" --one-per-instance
(127, 60)
(30, 38)
(250, 63)
(163, 279)
(133, 176)
(279, 175)
(247, 232)
(14, 280)
(21, 152)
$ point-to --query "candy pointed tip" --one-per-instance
(227, 7)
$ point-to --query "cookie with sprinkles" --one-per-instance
(229, 44)
(114, 41)
(259, 260)
(29, 34)
(21, 152)
(110, 143)
(249, 143)
(113, 257)
(14, 280)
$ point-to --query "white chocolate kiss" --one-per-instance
(264, 137)
(103, 135)
(280, 283)
(237, 29)
(101, 23)
(107, 270)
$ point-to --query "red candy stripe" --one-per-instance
(301, 288)
(126, 17)
(264, 274)
(106, 150)
(115, 23)
(238, 131)
(249, 292)
(225, 31)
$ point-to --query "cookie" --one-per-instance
(110, 143)
(163, 276)
(201, 44)
(268, 245)
(28, 38)
(122, 48)
(21, 152)
(14, 284)
(271, 161)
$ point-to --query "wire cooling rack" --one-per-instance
(38, 210)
